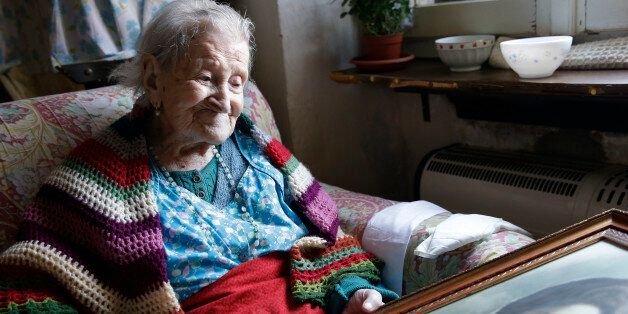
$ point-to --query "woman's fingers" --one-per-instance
(364, 301)
(372, 300)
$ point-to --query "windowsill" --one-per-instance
(428, 75)
(453, 2)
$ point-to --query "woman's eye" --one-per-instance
(205, 78)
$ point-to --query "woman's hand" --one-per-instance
(364, 301)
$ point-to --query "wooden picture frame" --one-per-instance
(610, 227)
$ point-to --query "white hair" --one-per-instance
(168, 36)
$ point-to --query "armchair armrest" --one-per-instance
(355, 209)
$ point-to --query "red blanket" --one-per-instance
(258, 286)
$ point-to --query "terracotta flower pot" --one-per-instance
(383, 47)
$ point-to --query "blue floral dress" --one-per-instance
(203, 242)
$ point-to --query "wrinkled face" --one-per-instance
(203, 96)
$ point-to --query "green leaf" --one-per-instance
(379, 17)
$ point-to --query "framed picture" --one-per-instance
(580, 269)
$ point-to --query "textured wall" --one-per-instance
(368, 138)
(364, 138)
(606, 147)
(268, 66)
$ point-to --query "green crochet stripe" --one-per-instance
(316, 291)
(335, 256)
(363, 267)
(31, 306)
(246, 123)
(292, 164)
(119, 193)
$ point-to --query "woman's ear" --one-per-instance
(152, 71)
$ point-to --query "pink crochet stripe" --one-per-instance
(132, 279)
(96, 233)
(326, 214)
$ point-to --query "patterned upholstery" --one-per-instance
(355, 209)
(36, 134)
(419, 272)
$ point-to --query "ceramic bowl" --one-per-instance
(536, 57)
(464, 53)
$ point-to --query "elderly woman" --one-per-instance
(184, 204)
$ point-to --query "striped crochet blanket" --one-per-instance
(315, 271)
(94, 225)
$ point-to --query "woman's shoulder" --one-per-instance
(106, 171)
(122, 139)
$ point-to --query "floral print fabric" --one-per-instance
(203, 242)
(420, 272)
(72, 31)
(354, 209)
(101, 29)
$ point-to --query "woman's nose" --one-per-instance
(219, 100)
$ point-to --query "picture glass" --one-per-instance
(593, 279)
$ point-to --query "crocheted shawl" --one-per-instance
(94, 225)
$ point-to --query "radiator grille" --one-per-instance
(510, 164)
(513, 170)
(505, 178)
(614, 190)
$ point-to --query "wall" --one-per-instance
(268, 70)
(357, 137)
(608, 147)
(368, 138)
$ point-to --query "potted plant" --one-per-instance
(382, 25)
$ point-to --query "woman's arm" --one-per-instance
(332, 275)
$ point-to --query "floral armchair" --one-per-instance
(36, 135)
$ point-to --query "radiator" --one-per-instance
(540, 194)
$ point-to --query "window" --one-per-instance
(518, 18)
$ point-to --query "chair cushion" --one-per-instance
(37, 134)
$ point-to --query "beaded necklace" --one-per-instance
(243, 212)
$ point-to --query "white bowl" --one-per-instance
(464, 53)
(536, 57)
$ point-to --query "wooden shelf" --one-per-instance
(428, 75)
